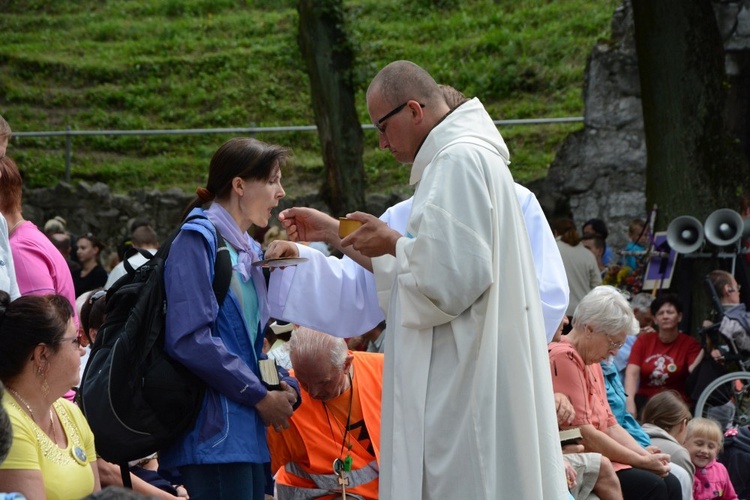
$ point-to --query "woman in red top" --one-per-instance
(661, 360)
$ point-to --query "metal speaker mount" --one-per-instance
(724, 227)
(685, 234)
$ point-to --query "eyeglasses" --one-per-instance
(76, 341)
(613, 346)
(732, 290)
(394, 111)
(96, 296)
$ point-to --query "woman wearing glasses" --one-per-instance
(52, 455)
(661, 360)
(91, 275)
(601, 322)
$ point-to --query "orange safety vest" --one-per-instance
(303, 454)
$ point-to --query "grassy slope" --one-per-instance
(159, 64)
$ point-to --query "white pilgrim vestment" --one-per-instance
(468, 408)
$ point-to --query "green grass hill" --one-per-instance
(169, 64)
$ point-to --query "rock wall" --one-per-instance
(600, 171)
(93, 208)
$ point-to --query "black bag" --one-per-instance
(135, 397)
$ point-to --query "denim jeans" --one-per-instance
(224, 481)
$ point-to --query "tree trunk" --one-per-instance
(694, 165)
(329, 59)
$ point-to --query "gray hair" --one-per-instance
(606, 310)
(311, 346)
(641, 301)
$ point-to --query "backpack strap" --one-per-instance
(130, 252)
(222, 269)
(125, 475)
(222, 262)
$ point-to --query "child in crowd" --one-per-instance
(638, 235)
(703, 442)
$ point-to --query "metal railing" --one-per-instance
(251, 131)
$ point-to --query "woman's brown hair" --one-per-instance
(240, 157)
(11, 184)
(26, 322)
(665, 410)
(566, 230)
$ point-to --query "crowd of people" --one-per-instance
(439, 355)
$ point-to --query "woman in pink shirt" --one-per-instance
(40, 267)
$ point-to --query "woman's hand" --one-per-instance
(565, 411)
(281, 248)
(658, 463)
(275, 409)
(291, 394)
(717, 355)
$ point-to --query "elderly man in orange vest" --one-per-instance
(332, 445)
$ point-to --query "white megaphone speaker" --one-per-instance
(724, 227)
(685, 234)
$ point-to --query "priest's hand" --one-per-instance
(308, 224)
(374, 238)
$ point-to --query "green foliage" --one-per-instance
(161, 64)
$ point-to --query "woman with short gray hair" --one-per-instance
(601, 323)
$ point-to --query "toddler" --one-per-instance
(703, 442)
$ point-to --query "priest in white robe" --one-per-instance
(306, 295)
(468, 410)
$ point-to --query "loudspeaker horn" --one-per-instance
(685, 234)
(724, 227)
(746, 228)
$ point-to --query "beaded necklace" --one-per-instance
(31, 412)
(49, 449)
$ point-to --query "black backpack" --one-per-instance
(137, 399)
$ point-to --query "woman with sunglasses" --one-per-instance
(91, 275)
(52, 455)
